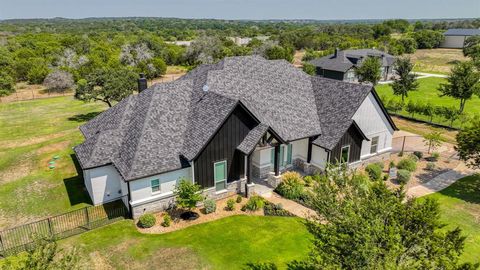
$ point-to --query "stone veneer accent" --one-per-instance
(165, 203)
(260, 173)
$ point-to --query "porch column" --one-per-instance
(276, 163)
(249, 169)
(309, 151)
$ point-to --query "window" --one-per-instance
(272, 156)
(374, 145)
(282, 157)
(220, 175)
(345, 154)
(289, 154)
(155, 185)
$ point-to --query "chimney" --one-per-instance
(337, 50)
(142, 83)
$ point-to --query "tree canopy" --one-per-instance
(468, 144)
(406, 81)
(369, 70)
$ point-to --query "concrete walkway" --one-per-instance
(440, 182)
(420, 75)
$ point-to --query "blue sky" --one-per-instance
(242, 9)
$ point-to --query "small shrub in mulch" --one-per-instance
(290, 188)
(430, 166)
(374, 171)
(418, 154)
(271, 209)
(403, 176)
(308, 180)
(230, 205)
(189, 215)
(147, 221)
(407, 164)
(239, 199)
(210, 206)
(254, 203)
(167, 220)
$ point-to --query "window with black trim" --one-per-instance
(374, 145)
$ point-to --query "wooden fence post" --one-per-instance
(88, 217)
(50, 227)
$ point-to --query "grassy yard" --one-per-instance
(227, 243)
(460, 207)
(31, 133)
(436, 60)
(427, 92)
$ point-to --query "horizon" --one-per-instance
(246, 10)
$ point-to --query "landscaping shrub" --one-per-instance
(167, 220)
(380, 164)
(413, 157)
(418, 154)
(385, 177)
(292, 176)
(391, 164)
(308, 180)
(435, 156)
(317, 177)
(239, 199)
(290, 188)
(407, 164)
(210, 206)
(430, 166)
(261, 266)
(230, 205)
(374, 171)
(254, 203)
(403, 176)
(271, 209)
(147, 221)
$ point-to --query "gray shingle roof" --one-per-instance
(336, 102)
(347, 59)
(168, 124)
(462, 32)
(252, 138)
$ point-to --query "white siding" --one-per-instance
(300, 149)
(319, 157)
(453, 42)
(373, 122)
(103, 184)
(261, 158)
(141, 190)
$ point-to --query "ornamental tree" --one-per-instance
(406, 81)
(187, 194)
(433, 140)
(468, 144)
(369, 71)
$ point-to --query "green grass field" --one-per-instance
(228, 243)
(31, 133)
(427, 92)
(460, 207)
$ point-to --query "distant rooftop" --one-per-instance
(462, 32)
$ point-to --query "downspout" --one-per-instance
(130, 209)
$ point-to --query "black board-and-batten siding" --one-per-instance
(223, 147)
(352, 137)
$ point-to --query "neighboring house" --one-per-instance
(246, 40)
(455, 38)
(223, 125)
(341, 65)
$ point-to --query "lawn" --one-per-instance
(427, 92)
(460, 207)
(31, 133)
(228, 243)
(436, 60)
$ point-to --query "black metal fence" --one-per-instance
(18, 239)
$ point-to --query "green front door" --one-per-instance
(220, 175)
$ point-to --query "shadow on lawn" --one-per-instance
(83, 117)
(467, 189)
(76, 190)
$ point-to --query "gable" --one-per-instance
(371, 118)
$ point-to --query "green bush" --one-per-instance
(147, 221)
(254, 203)
(317, 177)
(403, 176)
(308, 180)
(167, 220)
(418, 154)
(261, 266)
(374, 171)
(435, 156)
(391, 164)
(271, 209)
(430, 166)
(290, 188)
(230, 205)
(413, 157)
(210, 206)
(407, 164)
(239, 199)
(385, 177)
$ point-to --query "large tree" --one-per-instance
(472, 49)
(462, 83)
(107, 85)
(369, 70)
(405, 82)
(365, 225)
(468, 144)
